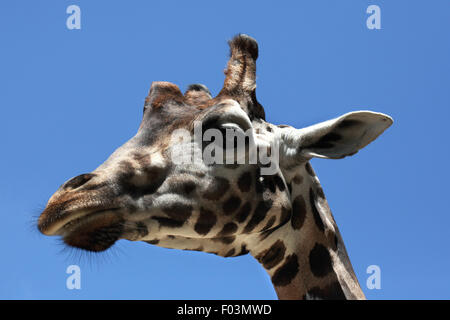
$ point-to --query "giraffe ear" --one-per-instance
(343, 136)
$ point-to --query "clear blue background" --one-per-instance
(68, 98)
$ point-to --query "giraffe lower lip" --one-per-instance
(95, 232)
(65, 228)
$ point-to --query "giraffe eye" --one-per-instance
(231, 126)
(226, 136)
(230, 133)
(233, 136)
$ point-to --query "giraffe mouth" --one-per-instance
(66, 222)
(83, 219)
(96, 231)
(92, 229)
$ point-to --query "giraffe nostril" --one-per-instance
(78, 181)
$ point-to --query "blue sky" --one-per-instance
(69, 98)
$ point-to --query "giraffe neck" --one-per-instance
(306, 257)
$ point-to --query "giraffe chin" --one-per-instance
(97, 235)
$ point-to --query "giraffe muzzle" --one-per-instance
(88, 230)
(74, 203)
(64, 222)
(95, 232)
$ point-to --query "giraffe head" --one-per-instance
(142, 192)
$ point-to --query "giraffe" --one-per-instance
(282, 219)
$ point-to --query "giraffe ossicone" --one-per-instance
(281, 217)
